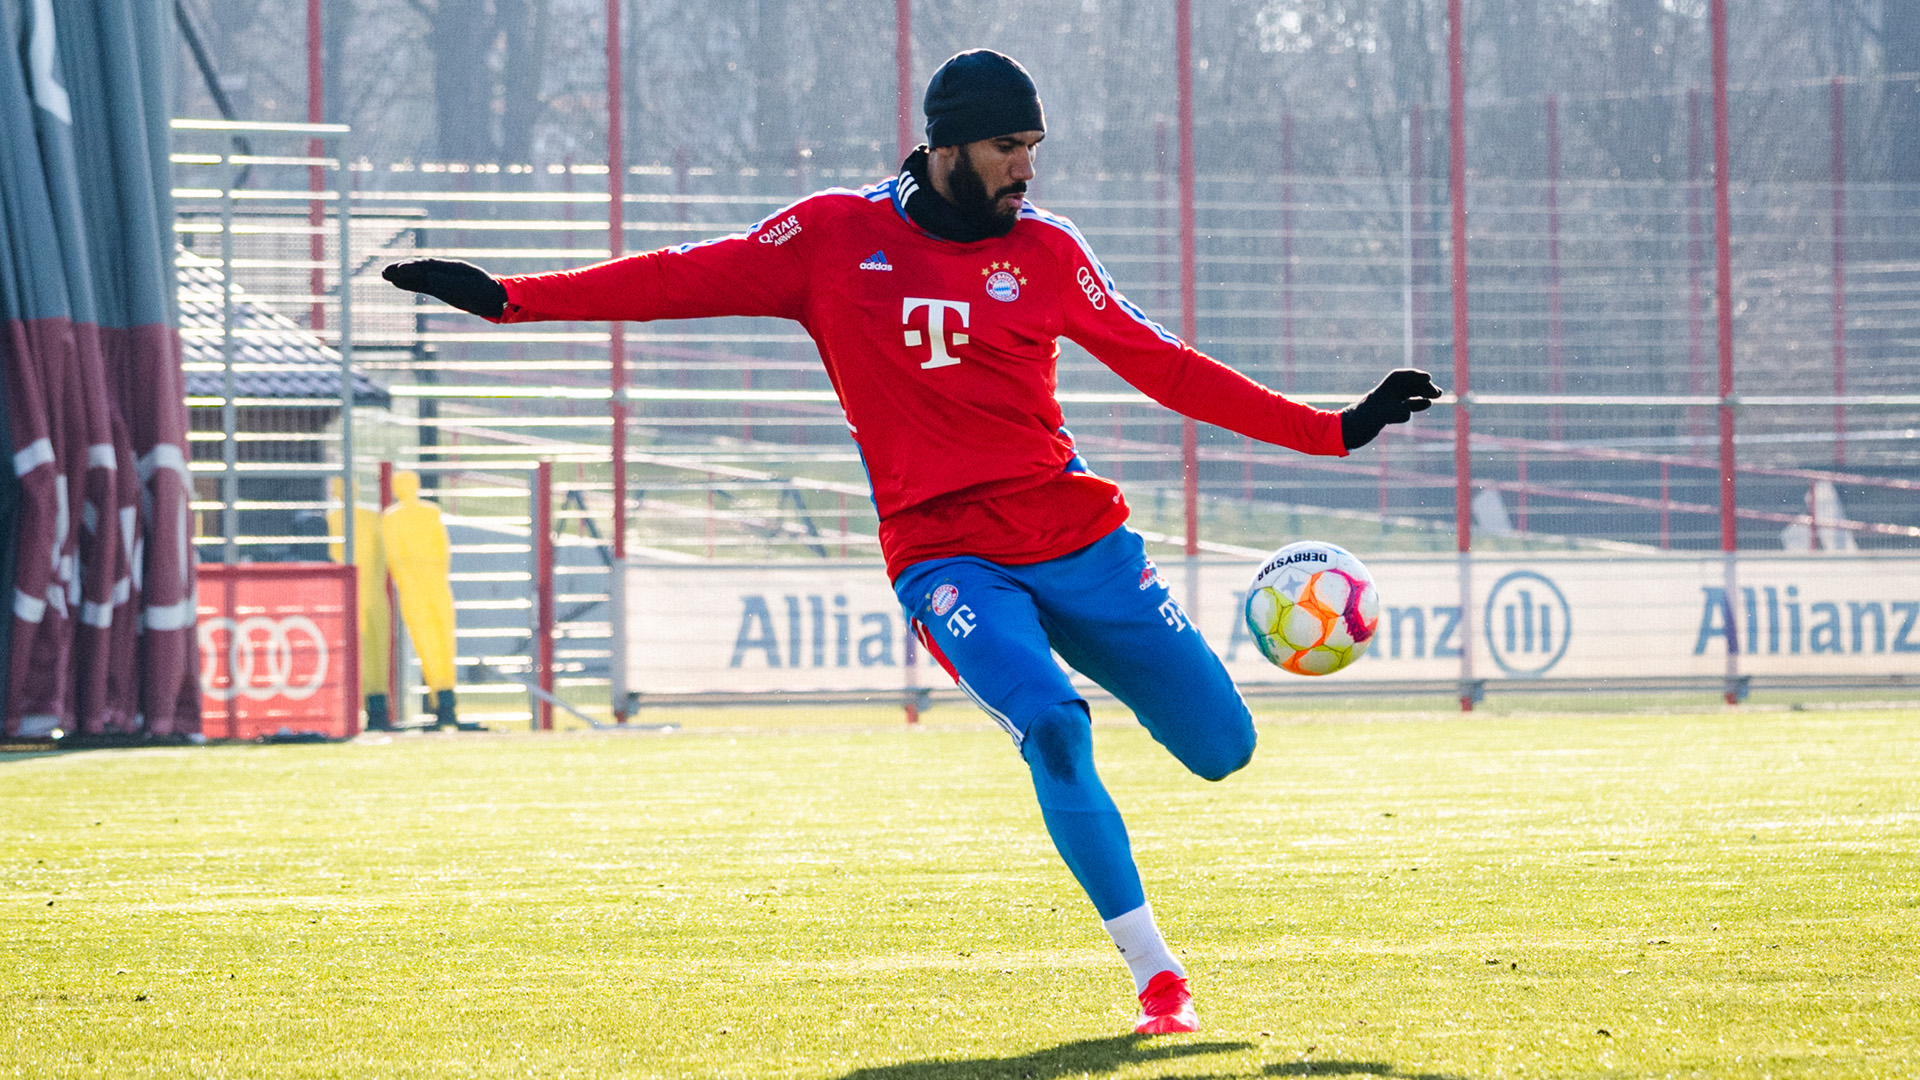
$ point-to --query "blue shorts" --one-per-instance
(1106, 611)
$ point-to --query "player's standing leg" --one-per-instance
(1109, 614)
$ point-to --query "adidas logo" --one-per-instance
(876, 261)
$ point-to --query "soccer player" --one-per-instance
(937, 299)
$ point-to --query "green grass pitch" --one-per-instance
(791, 894)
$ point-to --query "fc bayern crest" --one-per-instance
(1004, 287)
(943, 598)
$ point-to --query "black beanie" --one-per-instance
(980, 94)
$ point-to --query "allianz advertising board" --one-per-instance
(837, 626)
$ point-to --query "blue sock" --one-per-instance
(1080, 815)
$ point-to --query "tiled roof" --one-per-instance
(274, 357)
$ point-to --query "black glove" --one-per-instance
(1401, 394)
(461, 284)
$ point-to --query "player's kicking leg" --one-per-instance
(982, 624)
(1111, 616)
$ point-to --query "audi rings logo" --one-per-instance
(1095, 295)
(265, 658)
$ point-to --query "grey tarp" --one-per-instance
(102, 634)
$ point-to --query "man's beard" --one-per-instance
(978, 207)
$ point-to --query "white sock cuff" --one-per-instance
(1131, 925)
(1141, 945)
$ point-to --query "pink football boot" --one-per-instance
(1166, 1006)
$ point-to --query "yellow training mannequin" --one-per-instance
(369, 558)
(419, 561)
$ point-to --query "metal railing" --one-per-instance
(1589, 415)
(231, 166)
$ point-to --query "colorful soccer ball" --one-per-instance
(1312, 608)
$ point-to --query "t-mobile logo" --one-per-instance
(935, 335)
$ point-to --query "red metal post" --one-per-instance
(616, 246)
(903, 74)
(543, 616)
(746, 411)
(1286, 250)
(1416, 170)
(1696, 320)
(1813, 515)
(1839, 269)
(1520, 493)
(910, 698)
(350, 590)
(1189, 316)
(1385, 477)
(1556, 380)
(569, 350)
(1462, 423)
(1286, 282)
(1415, 165)
(1723, 304)
(1723, 272)
(316, 176)
(1666, 494)
(1162, 253)
(617, 344)
(395, 707)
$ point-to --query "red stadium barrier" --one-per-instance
(279, 650)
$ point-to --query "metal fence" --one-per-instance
(1591, 332)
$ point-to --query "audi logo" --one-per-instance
(1095, 295)
(260, 653)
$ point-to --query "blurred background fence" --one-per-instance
(1322, 256)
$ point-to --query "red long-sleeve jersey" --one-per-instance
(943, 357)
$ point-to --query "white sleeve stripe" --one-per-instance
(28, 609)
(1141, 317)
(170, 617)
(35, 454)
(164, 456)
(1106, 280)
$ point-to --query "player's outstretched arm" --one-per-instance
(1401, 394)
(461, 284)
(763, 271)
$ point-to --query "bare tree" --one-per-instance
(1637, 121)
(1900, 41)
(488, 61)
(523, 55)
(1521, 64)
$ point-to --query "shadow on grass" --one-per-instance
(1332, 1068)
(1089, 1057)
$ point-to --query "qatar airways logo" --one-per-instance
(936, 334)
(781, 231)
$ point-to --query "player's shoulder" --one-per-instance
(844, 202)
(1056, 231)
(826, 210)
(820, 212)
(830, 204)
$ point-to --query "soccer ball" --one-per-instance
(1312, 608)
